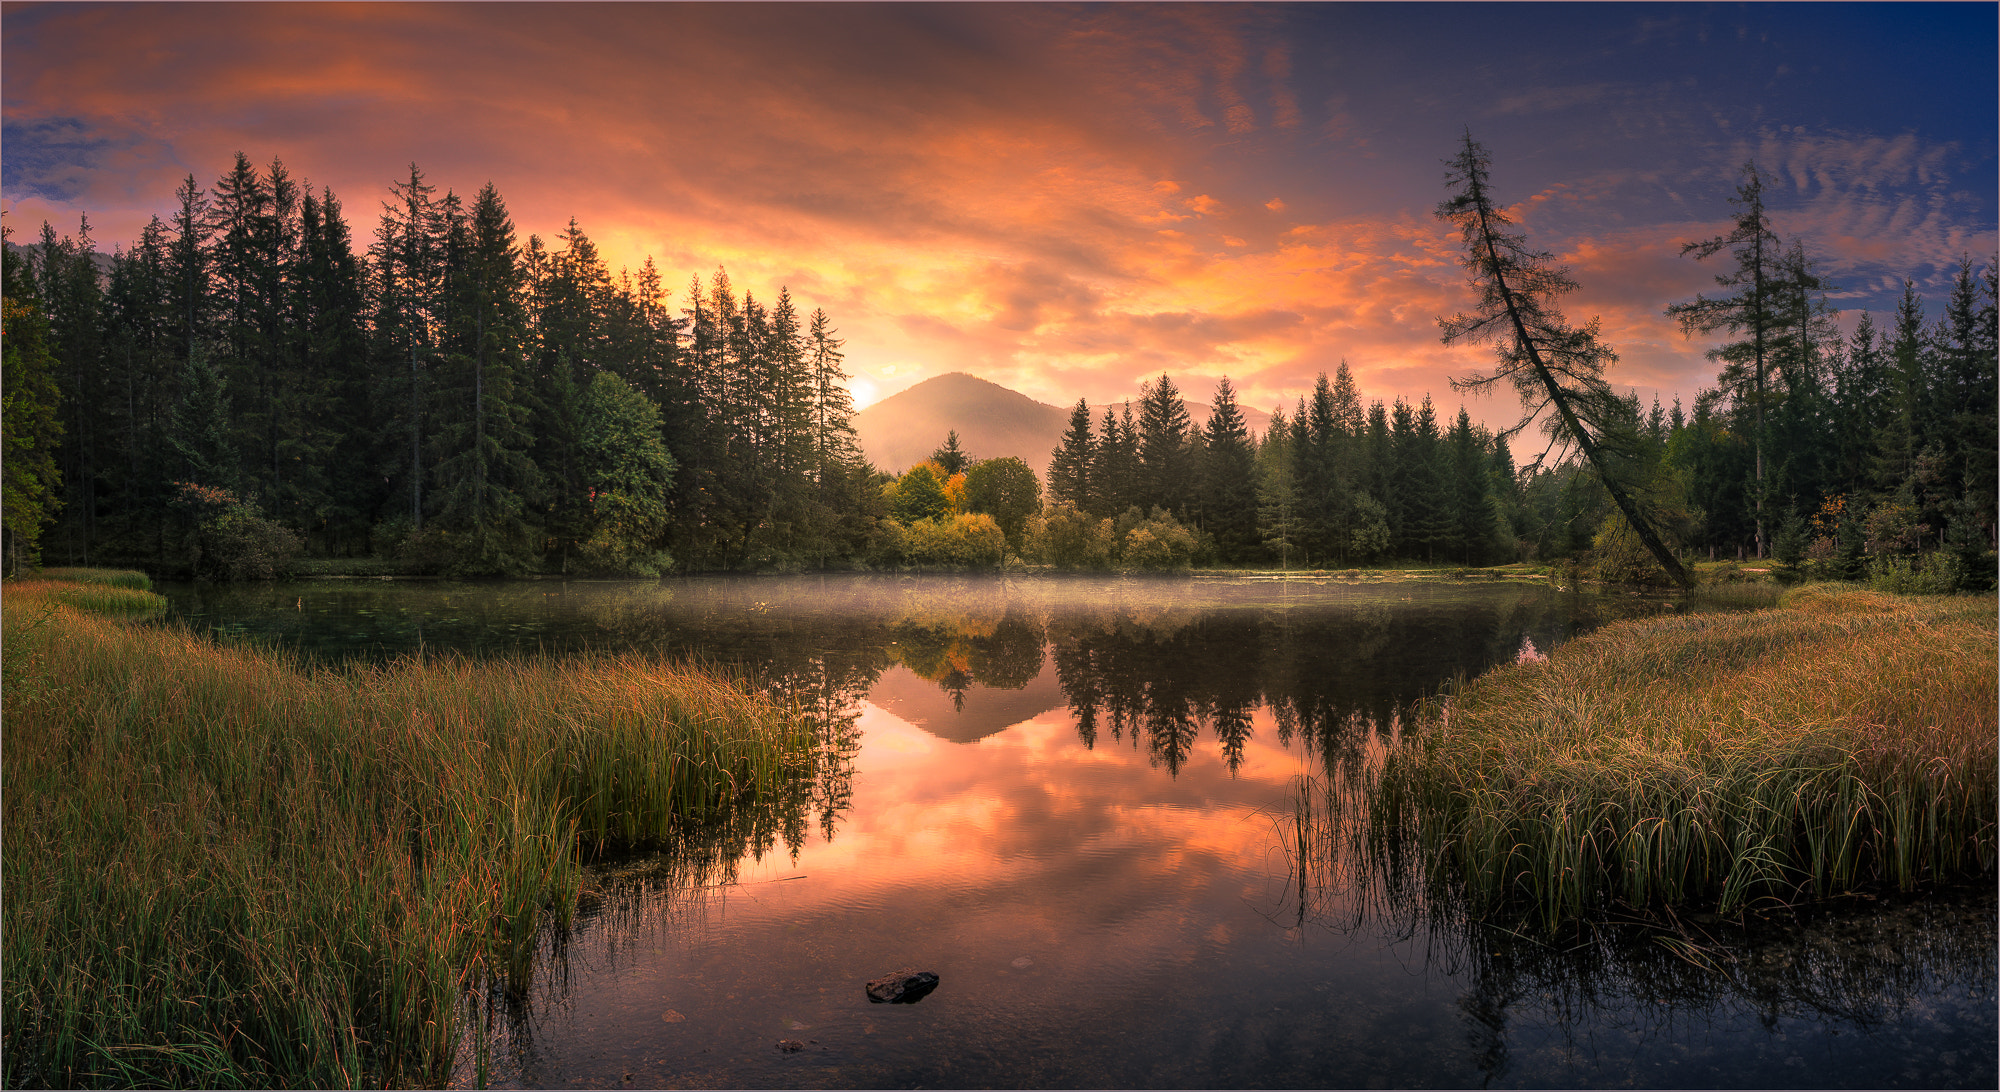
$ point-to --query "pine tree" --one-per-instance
(408, 279)
(199, 430)
(31, 427)
(1549, 363)
(73, 302)
(833, 405)
(950, 456)
(333, 322)
(1228, 477)
(1165, 477)
(1318, 448)
(141, 369)
(1470, 484)
(1905, 419)
(483, 476)
(1114, 466)
(1069, 463)
(1752, 310)
(1277, 500)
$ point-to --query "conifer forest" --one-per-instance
(252, 389)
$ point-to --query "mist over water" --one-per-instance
(1078, 801)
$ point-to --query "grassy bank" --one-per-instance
(223, 868)
(1844, 738)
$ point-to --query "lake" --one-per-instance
(1077, 802)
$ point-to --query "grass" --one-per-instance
(226, 868)
(1845, 738)
(104, 591)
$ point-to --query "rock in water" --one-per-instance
(902, 987)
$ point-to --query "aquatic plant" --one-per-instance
(227, 867)
(1844, 739)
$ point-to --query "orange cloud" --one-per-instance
(1001, 190)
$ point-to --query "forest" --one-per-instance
(243, 394)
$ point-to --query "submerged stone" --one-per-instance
(902, 987)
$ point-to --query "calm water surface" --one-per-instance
(1074, 800)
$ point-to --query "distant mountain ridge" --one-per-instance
(992, 422)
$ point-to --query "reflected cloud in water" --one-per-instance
(1078, 802)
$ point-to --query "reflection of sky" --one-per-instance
(1095, 921)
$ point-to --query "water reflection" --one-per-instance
(1079, 803)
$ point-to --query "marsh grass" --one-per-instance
(224, 867)
(104, 591)
(1846, 738)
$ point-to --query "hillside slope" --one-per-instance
(992, 421)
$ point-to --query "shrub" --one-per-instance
(1619, 557)
(1939, 573)
(228, 539)
(972, 541)
(1158, 547)
(1069, 539)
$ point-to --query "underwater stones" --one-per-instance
(902, 987)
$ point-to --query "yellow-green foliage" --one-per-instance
(1157, 543)
(224, 869)
(1846, 737)
(1069, 539)
(972, 541)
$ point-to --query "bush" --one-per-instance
(228, 540)
(1068, 539)
(1619, 557)
(1160, 544)
(972, 541)
(1940, 573)
(425, 552)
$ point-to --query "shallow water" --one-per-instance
(1075, 801)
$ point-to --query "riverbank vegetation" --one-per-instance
(241, 393)
(225, 867)
(1842, 740)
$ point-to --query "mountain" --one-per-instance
(903, 429)
(992, 421)
(33, 252)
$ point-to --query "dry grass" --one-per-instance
(1845, 738)
(222, 868)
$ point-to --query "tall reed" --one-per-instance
(1843, 739)
(225, 868)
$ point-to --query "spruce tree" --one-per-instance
(1550, 364)
(1277, 500)
(1164, 426)
(1470, 485)
(1069, 463)
(1228, 478)
(1752, 310)
(950, 456)
(483, 475)
(31, 427)
(408, 278)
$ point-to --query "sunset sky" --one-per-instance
(1068, 199)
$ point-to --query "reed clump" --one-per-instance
(105, 591)
(226, 868)
(1844, 738)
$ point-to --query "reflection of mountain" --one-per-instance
(968, 715)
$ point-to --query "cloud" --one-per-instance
(1063, 198)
